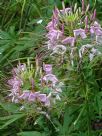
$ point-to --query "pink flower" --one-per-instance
(50, 77)
(15, 83)
(25, 95)
(20, 68)
(55, 13)
(33, 96)
(47, 68)
(69, 40)
(96, 24)
(54, 35)
(52, 24)
(98, 32)
(47, 102)
(92, 30)
(96, 29)
(80, 32)
(66, 10)
(51, 44)
(42, 97)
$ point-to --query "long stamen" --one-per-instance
(83, 6)
(94, 15)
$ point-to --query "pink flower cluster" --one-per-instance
(20, 95)
(34, 97)
(86, 26)
(96, 29)
(56, 36)
(49, 77)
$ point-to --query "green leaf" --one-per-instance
(11, 119)
(31, 133)
(9, 107)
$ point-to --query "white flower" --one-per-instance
(22, 108)
(91, 56)
(59, 49)
(82, 49)
(94, 52)
(39, 21)
(58, 90)
(98, 39)
(58, 97)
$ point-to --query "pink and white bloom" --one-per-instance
(50, 77)
(96, 29)
(25, 95)
(69, 40)
(20, 68)
(94, 52)
(83, 48)
(79, 32)
(34, 96)
(56, 13)
(15, 83)
(99, 39)
(51, 44)
(59, 49)
(92, 30)
(47, 68)
(54, 35)
(66, 10)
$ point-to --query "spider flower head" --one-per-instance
(25, 87)
(69, 26)
(62, 24)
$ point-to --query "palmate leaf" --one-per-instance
(7, 120)
(13, 44)
(7, 42)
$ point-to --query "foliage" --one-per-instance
(22, 37)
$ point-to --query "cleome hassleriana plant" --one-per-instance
(73, 35)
